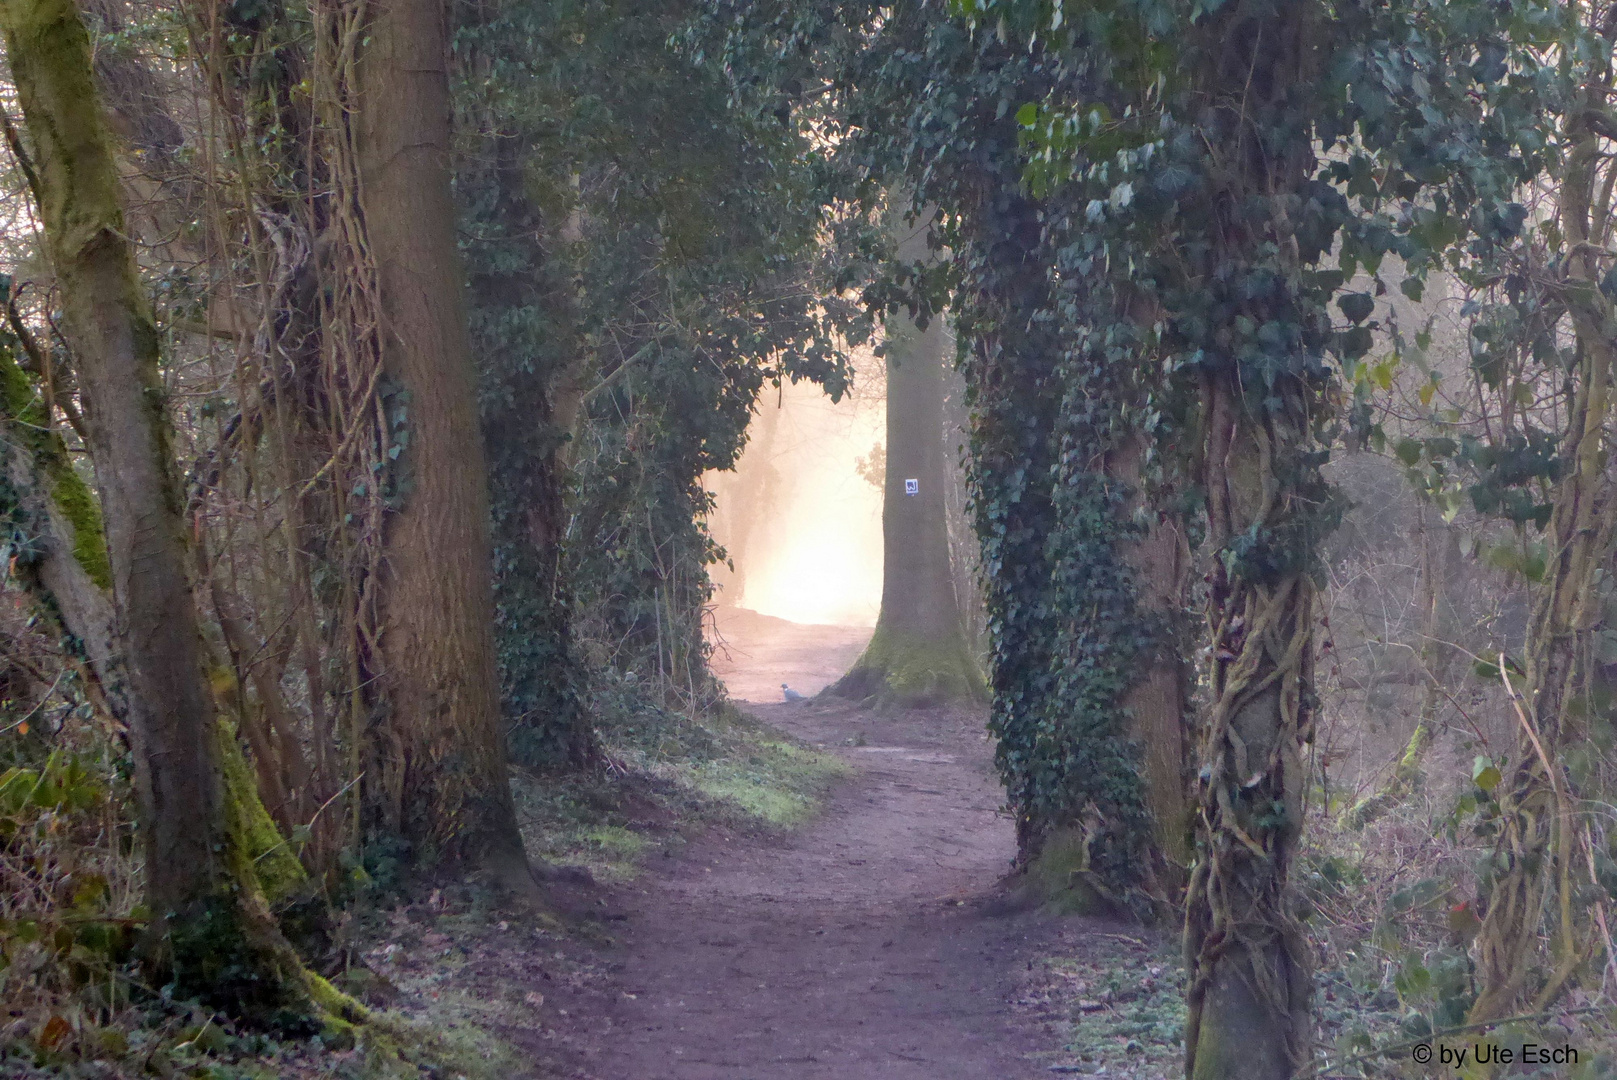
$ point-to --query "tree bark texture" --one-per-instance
(1251, 973)
(918, 653)
(439, 776)
(1250, 987)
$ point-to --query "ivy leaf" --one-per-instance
(1485, 774)
(1356, 306)
(1354, 343)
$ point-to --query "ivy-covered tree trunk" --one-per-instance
(525, 332)
(210, 931)
(1250, 967)
(918, 653)
(1249, 963)
(1158, 554)
(1084, 604)
(439, 774)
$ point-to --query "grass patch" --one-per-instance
(766, 777)
(666, 773)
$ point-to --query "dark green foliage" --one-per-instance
(217, 959)
(928, 107)
(1063, 629)
(642, 246)
(1094, 285)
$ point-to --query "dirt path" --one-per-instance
(859, 946)
(755, 653)
(875, 941)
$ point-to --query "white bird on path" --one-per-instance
(790, 694)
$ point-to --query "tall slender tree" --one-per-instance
(210, 929)
(440, 776)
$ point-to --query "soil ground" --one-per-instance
(755, 653)
(875, 941)
(862, 945)
(865, 944)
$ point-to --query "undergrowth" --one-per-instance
(1389, 909)
(76, 1005)
(666, 772)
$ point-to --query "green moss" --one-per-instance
(74, 498)
(908, 669)
(1060, 877)
(252, 831)
(17, 393)
(21, 401)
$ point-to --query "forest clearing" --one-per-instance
(636, 539)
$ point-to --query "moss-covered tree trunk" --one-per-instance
(918, 653)
(210, 931)
(66, 561)
(439, 771)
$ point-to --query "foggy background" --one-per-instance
(801, 513)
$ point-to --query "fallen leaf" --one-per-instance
(56, 1029)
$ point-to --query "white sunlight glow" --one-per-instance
(801, 523)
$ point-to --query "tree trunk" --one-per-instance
(524, 299)
(211, 930)
(1249, 961)
(439, 776)
(1155, 699)
(1268, 507)
(918, 653)
(67, 559)
(1439, 549)
(1536, 896)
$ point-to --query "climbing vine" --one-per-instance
(1208, 218)
(1063, 630)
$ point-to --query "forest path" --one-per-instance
(869, 943)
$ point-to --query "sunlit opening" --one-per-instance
(800, 514)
